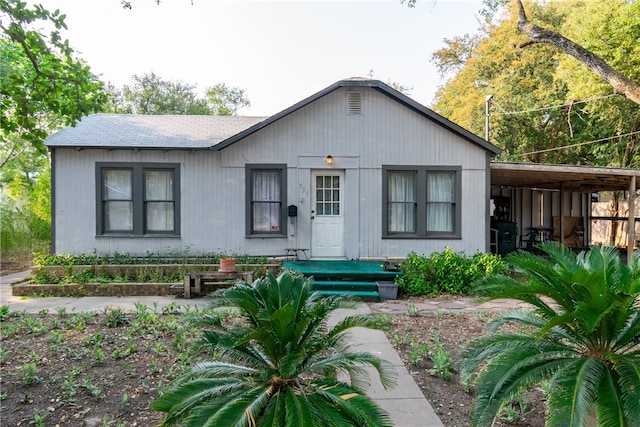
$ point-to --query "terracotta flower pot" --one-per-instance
(227, 265)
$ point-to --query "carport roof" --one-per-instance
(572, 178)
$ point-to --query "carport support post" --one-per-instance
(631, 226)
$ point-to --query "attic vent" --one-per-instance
(354, 103)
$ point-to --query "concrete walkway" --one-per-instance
(405, 403)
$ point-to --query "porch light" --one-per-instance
(329, 160)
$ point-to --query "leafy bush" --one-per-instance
(151, 258)
(446, 272)
(279, 366)
(580, 340)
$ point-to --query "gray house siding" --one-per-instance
(212, 183)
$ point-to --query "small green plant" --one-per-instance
(4, 312)
(115, 317)
(99, 356)
(4, 354)
(404, 339)
(94, 390)
(383, 322)
(412, 309)
(171, 308)
(39, 418)
(28, 374)
(418, 353)
(441, 359)
(515, 411)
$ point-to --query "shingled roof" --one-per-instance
(217, 132)
(149, 131)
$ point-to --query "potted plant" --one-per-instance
(227, 264)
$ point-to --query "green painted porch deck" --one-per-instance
(344, 277)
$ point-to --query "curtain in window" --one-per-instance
(159, 200)
(441, 202)
(402, 202)
(266, 201)
(118, 200)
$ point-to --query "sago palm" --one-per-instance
(280, 365)
(582, 336)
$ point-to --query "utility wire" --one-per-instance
(533, 110)
(581, 143)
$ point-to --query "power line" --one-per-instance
(533, 110)
(581, 143)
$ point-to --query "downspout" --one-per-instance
(631, 222)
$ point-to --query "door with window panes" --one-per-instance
(327, 214)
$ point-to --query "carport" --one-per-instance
(566, 180)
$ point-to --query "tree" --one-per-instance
(581, 337)
(537, 110)
(620, 83)
(279, 365)
(149, 94)
(43, 86)
(226, 101)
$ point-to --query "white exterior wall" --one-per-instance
(212, 195)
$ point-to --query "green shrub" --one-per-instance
(446, 272)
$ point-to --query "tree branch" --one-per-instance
(620, 83)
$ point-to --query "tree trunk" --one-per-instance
(620, 83)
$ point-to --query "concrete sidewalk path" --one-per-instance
(405, 403)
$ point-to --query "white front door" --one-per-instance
(327, 216)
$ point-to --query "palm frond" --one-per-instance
(359, 408)
(610, 408)
(627, 368)
(299, 413)
(573, 397)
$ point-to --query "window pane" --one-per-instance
(118, 216)
(441, 202)
(266, 201)
(117, 184)
(336, 208)
(336, 182)
(266, 186)
(440, 187)
(440, 217)
(402, 202)
(266, 217)
(159, 185)
(319, 182)
(159, 216)
(402, 218)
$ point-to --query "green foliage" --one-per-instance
(115, 317)
(580, 341)
(150, 94)
(225, 100)
(442, 363)
(543, 99)
(279, 365)
(43, 86)
(25, 206)
(446, 272)
(117, 258)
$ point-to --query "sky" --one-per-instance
(279, 52)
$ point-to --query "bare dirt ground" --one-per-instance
(79, 369)
(448, 397)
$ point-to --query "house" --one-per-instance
(357, 170)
